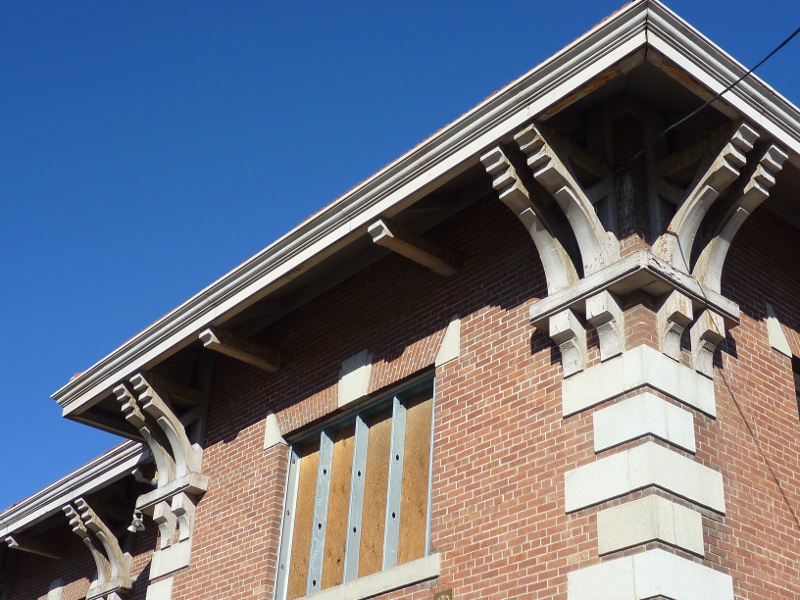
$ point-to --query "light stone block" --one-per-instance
(451, 343)
(272, 432)
(635, 368)
(777, 337)
(645, 414)
(161, 590)
(170, 559)
(354, 377)
(647, 465)
(56, 590)
(648, 519)
(655, 573)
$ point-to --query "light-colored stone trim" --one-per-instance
(56, 590)
(647, 465)
(644, 414)
(161, 590)
(777, 337)
(272, 432)
(451, 343)
(404, 575)
(354, 377)
(655, 573)
(170, 559)
(648, 519)
(635, 368)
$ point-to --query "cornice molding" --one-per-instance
(103, 470)
(566, 77)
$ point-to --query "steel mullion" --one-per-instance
(317, 551)
(394, 486)
(287, 533)
(358, 476)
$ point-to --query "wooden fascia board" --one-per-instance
(97, 474)
(441, 157)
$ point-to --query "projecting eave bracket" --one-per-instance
(246, 351)
(398, 239)
(24, 543)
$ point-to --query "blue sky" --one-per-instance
(146, 148)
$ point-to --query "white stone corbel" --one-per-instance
(272, 432)
(674, 315)
(397, 238)
(255, 355)
(712, 180)
(748, 197)
(183, 507)
(113, 565)
(706, 334)
(558, 267)
(166, 522)
(568, 333)
(604, 313)
(598, 248)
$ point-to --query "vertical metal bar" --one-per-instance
(356, 500)
(287, 531)
(314, 582)
(394, 488)
(430, 471)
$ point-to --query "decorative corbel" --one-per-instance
(713, 179)
(255, 355)
(187, 457)
(166, 522)
(113, 565)
(753, 191)
(558, 267)
(604, 313)
(706, 334)
(405, 242)
(568, 332)
(183, 507)
(673, 316)
(597, 247)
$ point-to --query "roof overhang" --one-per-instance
(644, 30)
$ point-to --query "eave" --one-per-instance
(610, 49)
(118, 462)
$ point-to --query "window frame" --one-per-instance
(358, 417)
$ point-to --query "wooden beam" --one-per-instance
(683, 159)
(246, 351)
(576, 155)
(33, 546)
(175, 391)
(397, 238)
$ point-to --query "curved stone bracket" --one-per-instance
(113, 565)
(717, 174)
(558, 267)
(754, 191)
(598, 248)
(154, 439)
(187, 457)
(167, 524)
(568, 332)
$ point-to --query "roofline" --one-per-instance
(444, 155)
(100, 472)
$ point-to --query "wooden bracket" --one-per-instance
(397, 238)
(24, 543)
(246, 351)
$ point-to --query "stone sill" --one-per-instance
(410, 573)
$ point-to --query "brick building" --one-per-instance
(551, 352)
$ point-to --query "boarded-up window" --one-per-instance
(358, 495)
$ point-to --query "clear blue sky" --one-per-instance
(147, 148)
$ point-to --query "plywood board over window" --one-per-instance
(359, 494)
